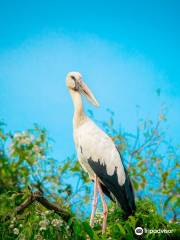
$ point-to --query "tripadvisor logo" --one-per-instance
(138, 231)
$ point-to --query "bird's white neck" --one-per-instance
(79, 115)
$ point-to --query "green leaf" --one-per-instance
(89, 231)
(141, 163)
(135, 184)
(122, 230)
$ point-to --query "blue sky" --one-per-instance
(124, 49)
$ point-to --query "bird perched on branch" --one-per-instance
(98, 154)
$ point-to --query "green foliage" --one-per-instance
(26, 165)
(146, 216)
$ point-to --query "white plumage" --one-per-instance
(92, 142)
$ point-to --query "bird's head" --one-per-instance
(75, 83)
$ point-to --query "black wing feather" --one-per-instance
(124, 194)
(107, 192)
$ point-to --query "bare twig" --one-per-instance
(147, 142)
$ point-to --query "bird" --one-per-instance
(98, 155)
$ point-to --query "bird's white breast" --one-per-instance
(92, 142)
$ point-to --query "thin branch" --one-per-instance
(148, 141)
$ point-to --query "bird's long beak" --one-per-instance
(88, 94)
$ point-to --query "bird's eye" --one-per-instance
(73, 78)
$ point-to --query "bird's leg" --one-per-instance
(95, 201)
(105, 208)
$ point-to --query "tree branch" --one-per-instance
(38, 196)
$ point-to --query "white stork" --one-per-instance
(98, 154)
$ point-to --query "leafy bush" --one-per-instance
(60, 211)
